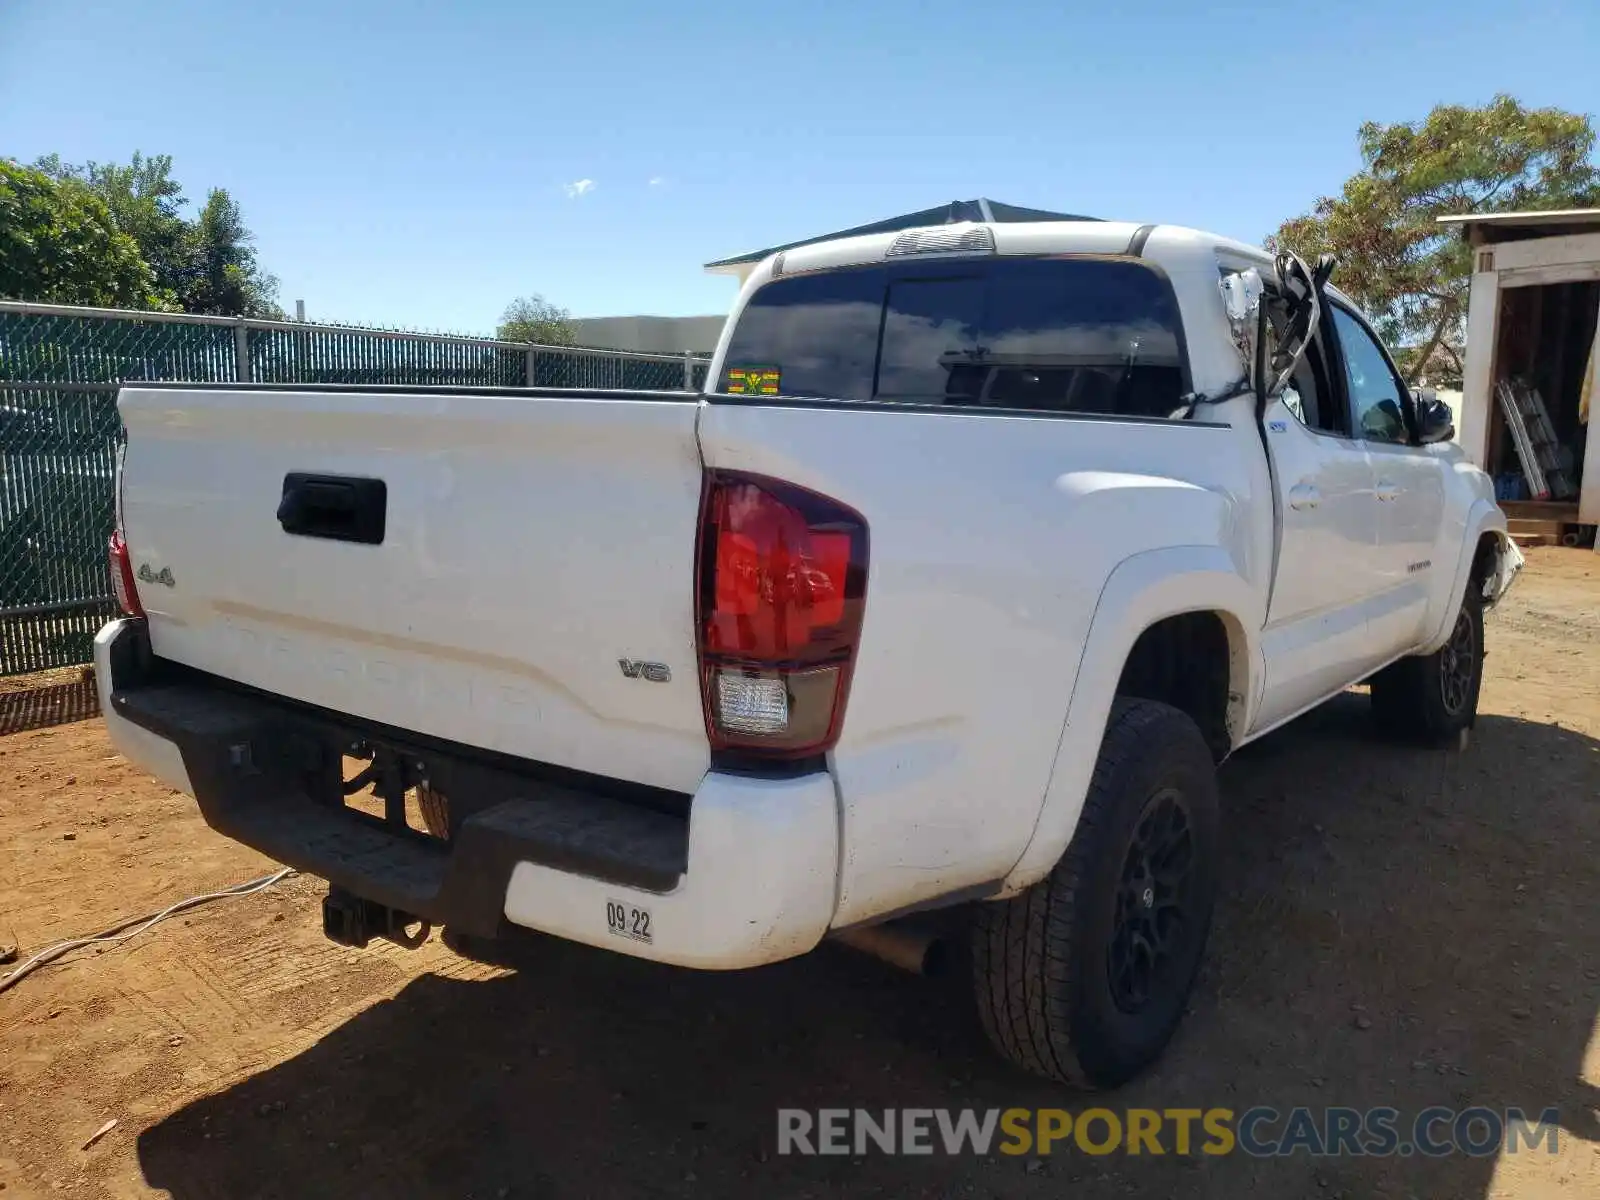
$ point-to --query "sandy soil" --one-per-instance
(1397, 927)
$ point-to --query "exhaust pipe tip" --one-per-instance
(918, 951)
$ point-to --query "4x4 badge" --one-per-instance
(164, 578)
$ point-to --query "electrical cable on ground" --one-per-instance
(123, 930)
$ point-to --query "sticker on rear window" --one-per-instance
(753, 381)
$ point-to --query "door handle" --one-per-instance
(1303, 495)
(1386, 490)
(340, 508)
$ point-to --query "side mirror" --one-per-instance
(1435, 421)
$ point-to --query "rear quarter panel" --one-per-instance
(992, 539)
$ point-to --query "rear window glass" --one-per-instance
(1045, 334)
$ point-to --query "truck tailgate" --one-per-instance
(534, 547)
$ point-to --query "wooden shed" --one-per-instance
(1531, 377)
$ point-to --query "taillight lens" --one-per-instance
(122, 576)
(782, 584)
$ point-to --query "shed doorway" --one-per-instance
(1545, 339)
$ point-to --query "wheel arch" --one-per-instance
(1143, 591)
(1483, 544)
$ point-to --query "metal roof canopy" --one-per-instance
(1484, 228)
(945, 214)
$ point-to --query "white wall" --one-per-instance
(652, 335)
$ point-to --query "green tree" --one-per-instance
(60, 244)
(226, 278)
(535, 319)
(146, 203)
(204, 265)
(1410, 273)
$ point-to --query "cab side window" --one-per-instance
(1377, 397)
(1310, 394)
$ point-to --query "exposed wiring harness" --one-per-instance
(134, 926)
(1190, 401)
(1301, 289)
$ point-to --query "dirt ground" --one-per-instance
(1397, 927)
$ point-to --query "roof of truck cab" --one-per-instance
(981, 209)
(1089, 236)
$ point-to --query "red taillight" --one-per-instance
(122, 576)
(782, 584)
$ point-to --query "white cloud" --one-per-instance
(658, 181)
(579, 189)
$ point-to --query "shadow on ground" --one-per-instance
(1401, 927)
(56, 704)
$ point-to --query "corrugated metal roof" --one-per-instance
(944, 214)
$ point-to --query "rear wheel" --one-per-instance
(1432, 697)
(1084, 977)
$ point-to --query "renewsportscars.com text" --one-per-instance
(1262, 1131)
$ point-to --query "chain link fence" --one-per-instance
(60, 368)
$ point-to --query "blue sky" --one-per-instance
(414, 162)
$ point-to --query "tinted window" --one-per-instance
(1082, 335)
(1060, 335)
(819, 331)
(1376, 397)
(931, 335)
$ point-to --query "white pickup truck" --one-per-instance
(986, 545)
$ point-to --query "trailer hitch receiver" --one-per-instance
(350, 920)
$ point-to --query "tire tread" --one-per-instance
(1023, 960)
(1406, 701)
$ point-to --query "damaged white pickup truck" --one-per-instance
(987, 545)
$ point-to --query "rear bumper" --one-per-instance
(741, 874)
